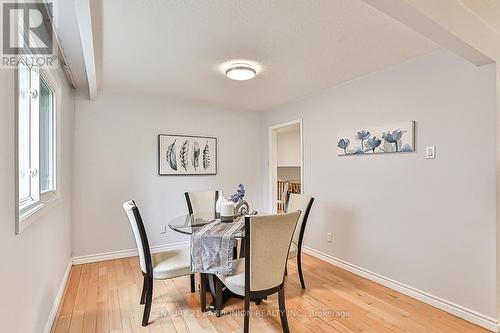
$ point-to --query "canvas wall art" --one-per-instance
(393, 138)
(186, 155)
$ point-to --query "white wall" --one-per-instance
(116, 160)
(429, 224)
(288, 148)
(34, 262)
(498, 184)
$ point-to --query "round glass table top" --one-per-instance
(190, 223)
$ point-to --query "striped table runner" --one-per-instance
(212, 247)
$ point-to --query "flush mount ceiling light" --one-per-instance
(240, 71)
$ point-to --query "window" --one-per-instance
(36, 146)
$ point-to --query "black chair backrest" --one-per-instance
(140, 236)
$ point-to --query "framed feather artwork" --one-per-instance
(186, 155)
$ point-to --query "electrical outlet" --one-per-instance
(430, 152)
(329, 237)
(163, 229)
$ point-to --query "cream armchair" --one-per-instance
(262, 271)
(303, 203)
(159, 266)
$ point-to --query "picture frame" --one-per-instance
(187, 155)
(375, 140)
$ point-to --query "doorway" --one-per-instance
(286, 163)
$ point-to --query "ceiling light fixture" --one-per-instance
(240, 71)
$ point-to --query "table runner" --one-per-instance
(212, 247)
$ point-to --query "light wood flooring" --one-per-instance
(104, 297)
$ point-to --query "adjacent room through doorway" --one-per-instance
(286, 162)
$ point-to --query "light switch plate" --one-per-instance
(430, 152)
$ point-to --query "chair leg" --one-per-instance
(143, 293)
(282, 312)
(193, 288)
(203, 292)
(235, 250)
(246, 315)
(299, 267)
(218, 296)
(149, 300)
(242, 249)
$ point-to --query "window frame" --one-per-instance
(44, 194)
(29, 210)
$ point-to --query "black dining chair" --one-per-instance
(158, 266)
(303, 203)
(262, 272)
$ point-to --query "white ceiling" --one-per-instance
(175, 48)
(69, 35)
(488, 10)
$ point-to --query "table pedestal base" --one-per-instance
(224, 293)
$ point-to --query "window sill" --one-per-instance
(28, 216)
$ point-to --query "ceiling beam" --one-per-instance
(449, 23)
(84, 17)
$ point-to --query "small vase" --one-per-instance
(218, 204)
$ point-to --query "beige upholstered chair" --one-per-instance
(262, 271)
(159, 266)
(202, 203)
(303, 203)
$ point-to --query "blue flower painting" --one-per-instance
(373, 143)
(362, 136)
(343, 144)
(395, 138)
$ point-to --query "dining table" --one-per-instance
(189, 224)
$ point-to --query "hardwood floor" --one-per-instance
(104, 297)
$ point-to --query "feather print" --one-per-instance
(171, 159)
(206, 157)
(184, 154)
(196, 155)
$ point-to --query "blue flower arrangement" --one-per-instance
(239, 195)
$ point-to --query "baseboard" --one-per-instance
(58, 299)
(450, 307)
(124, 253)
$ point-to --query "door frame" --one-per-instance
(273, 160)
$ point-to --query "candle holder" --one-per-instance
(227, 211)
(227, 219)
